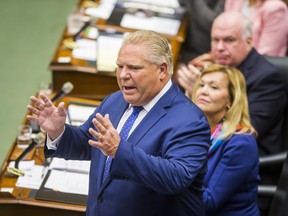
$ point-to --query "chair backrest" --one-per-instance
(279, 206)
(281, 63)
(279, 191)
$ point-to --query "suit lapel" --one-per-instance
(150, 119)
(154, 115)
(246, 66)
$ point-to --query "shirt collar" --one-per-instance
(150, 104)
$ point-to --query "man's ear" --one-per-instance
(163, 70)
(249, 41)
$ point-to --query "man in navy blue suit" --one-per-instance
(159, 168)
(231, 45)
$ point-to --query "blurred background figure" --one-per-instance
(270, 18)
(232, 179)
(201, 14)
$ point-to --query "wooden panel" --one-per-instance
(87, 85)
(27, 210)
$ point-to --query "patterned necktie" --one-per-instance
(123, 134)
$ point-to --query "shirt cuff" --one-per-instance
(52, 145)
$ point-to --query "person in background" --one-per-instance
(157, 166)
(232, 178)
(232, 45)
(201, 14)
(269, 18)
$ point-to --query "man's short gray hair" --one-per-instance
(160, 50)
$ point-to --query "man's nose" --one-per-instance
(220, 45)
(124, 73)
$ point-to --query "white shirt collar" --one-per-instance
(149, 105)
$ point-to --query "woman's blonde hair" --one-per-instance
(237, 114)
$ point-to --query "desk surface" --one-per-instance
(22, 200)
(87, 67)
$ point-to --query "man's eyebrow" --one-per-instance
(135, 66)
(230, 37)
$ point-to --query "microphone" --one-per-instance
(66, 89)
(39, 138)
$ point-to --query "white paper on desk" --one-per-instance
(70, 165)
(86, 50)
(166, 3)
(107, 52)
(157, 24)
(103, 11)
(68, 182)
(92, 32)
(33, 178)
(23, 165)
(79, 113)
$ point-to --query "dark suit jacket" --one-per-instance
(201, 14)
(267, 101)
(232, 178)
(157, 171)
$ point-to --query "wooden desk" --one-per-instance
(22, 201)
(88, 82)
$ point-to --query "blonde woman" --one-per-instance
(232, 179)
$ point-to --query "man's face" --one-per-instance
(139, 80)
(228, 47)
